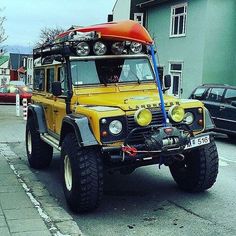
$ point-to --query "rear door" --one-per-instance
(213, 102)
(227, 111)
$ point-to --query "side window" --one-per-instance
(198, 94)
(215, 94)
(230, 96)
(39, 79)
(3, 90)
(50, 79)
(62, 78)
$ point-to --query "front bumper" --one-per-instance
(158, 141)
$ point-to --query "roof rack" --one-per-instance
(125, 37)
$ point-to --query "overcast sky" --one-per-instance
(25, 18)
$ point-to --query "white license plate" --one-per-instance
(199, 141)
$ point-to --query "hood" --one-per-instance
(126, 100)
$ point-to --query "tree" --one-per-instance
(3, 36)
(48, 34)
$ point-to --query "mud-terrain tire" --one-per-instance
(82, 175)
(199, 170)
(38, 152)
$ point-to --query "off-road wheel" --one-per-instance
(82, 174)
(199, 169)
(38, 152)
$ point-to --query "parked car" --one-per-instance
(8, 93)
(220, 100)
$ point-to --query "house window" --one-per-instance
(4, 71)
(139, 18)
(178, 20)
(175, 69)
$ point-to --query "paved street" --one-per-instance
(146, 202)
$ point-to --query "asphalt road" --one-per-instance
(148, 201)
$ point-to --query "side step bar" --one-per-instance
(47, 138)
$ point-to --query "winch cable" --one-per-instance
(157, 79)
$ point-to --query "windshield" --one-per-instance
(111, 70)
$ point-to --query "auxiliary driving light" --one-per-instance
(117, 48)
(136, 47)
(176, 113)
(143, 117)
(99, 48)
(82, 49)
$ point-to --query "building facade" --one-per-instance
(4, 70)
(194, 40)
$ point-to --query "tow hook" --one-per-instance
(132, 151)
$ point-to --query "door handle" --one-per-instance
(55, 111)
(222, 107)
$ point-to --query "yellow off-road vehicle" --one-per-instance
(99, 100)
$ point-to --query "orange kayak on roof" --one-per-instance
(123, 30)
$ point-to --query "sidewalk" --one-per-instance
(26, 207)
(18, 215)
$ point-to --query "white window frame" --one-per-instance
(174, 73)
(172, 20)
(136, 15)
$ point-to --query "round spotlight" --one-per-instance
(99, 48)
(143, 117)
(136, 47)
(117, 48)
(176, 113)
(115, 127)
(82, 49)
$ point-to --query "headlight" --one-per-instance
(189, 118)
(118, 48)
(82, 49)
(115, 127)
(136, 47)
(176, 113)
(99, 48)
(143, 117)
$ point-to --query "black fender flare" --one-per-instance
(37, 112)
(209, 123)
(80, 126)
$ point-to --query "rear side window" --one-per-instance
(215, 94)
(199, 93)
(230, 96)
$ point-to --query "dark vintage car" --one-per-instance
(220, 100)
(8, 93)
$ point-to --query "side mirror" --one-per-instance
(56, 88)
(167, 82)
(233, 103)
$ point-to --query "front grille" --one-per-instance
(157, 119)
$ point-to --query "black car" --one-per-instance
(220, 100)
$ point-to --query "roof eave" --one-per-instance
(150, 3)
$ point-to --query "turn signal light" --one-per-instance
(104, 133)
